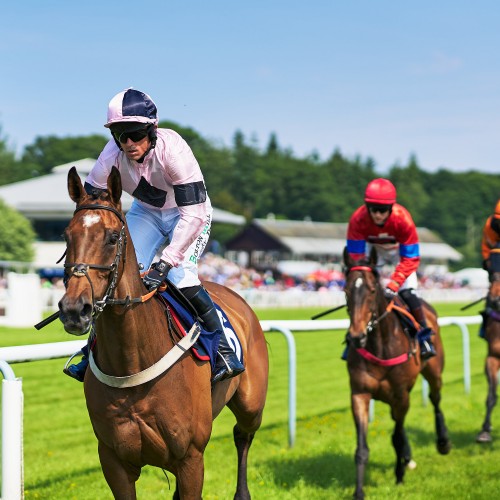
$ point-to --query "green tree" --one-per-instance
(16, 235)
(50, 151)
(10, 169)
(216, 163)
(411, 193)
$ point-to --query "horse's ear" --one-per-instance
(347, 259)
(115, 186)
(373, 257)
(75, 187)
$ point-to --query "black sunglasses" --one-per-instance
(135, 136)
(381, 209)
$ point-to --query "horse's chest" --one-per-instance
(138, 432)
(140, 438)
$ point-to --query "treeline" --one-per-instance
(252, 180)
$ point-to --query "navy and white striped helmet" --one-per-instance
(131, 105)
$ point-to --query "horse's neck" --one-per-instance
(131, 338)
(385, 335)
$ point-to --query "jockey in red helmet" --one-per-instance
(389, 227)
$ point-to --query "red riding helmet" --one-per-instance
(380, 191)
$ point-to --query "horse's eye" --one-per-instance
(113, 238)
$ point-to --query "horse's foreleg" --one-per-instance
(403, 451)
(189, 477)
(491, 371)
(360, 407)
(432, 374)
(399, 438)
(120, 477)
(242, 441)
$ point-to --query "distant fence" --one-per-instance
(294, 297)
(46, 298)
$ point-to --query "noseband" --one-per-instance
(80, 269)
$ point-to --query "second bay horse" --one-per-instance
(164, 421)
(383, 364)
(492, 363)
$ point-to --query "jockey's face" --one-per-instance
(135, 150)
(379, 213)
(133, 138)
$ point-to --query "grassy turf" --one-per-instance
(61, 454)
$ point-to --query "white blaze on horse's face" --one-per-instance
(358, 283)
(91, 219)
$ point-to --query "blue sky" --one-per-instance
(378, 79)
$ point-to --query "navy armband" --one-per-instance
(193, 193)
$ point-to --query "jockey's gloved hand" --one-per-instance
(390, 294)
(156, 275)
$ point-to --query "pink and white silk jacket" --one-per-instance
(168, 179)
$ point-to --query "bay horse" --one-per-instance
(165, 421)
(492, 363)
(383, 363)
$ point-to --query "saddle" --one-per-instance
(410, 325)
(205, 348)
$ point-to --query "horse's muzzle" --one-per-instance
(359, 341)
(75, 315)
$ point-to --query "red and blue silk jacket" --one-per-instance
(398, 231)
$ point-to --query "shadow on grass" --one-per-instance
(327, 471)
(463, 441)
(77, 473)
(322, 471)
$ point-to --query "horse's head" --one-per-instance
(494, 292)
(95, 250)
(362, 290)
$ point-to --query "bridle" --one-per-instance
(80, 269)
(374, 318)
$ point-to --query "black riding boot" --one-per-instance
(424, 334)
(227, 364)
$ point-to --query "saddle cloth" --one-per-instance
(409, 324)
(207, 344)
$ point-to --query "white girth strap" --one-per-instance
(153, 371)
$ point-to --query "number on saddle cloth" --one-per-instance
(207, 344)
